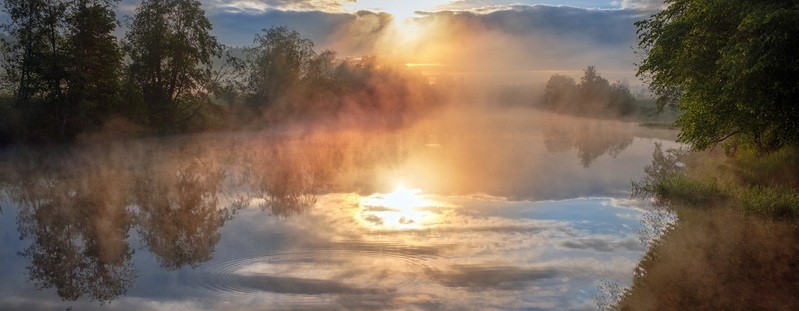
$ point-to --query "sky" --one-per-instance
(462, 37)
(509, 38)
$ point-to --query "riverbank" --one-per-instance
(734, 244)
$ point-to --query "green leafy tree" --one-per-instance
(171, 53)
(731, 68)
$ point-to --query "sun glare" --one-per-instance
(401, 208)
(403, 198)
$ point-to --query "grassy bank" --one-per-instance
(735, 244)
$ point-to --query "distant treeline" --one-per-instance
(593, 96)
(65, 74)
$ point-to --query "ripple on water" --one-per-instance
(349, 269)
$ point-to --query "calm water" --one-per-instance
(465, 213)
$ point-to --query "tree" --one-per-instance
(64, 63)
(279, 61)
(559, 90)
(621, 99)
(730, 67)
(594, 92)
(171, 52)
(594, 96)
(32, 57)
(93, 65)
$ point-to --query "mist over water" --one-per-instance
(508, 207)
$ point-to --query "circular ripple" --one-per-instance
(350, 268)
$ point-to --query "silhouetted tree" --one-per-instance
(277, 64)
(93, 66)
(33, 59)
(64, 63)
(171, 52)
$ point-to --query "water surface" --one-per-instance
(463, 214)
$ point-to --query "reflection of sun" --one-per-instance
(403, 198)
(402, 208)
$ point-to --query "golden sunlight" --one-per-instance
(402, 208)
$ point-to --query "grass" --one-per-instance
(739, 178)
(735, 245)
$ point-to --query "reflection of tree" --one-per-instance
(714, 258)
(78, 224)
(77, 209)
(288, 175)
(591, 138)
(177, 211)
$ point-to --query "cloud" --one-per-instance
(647, 5)
(254, 6)
(239, 29)
(478, 35)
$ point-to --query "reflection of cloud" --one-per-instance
(482, 277)
(604, 245)
(482, 251)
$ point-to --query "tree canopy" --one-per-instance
(729, 66)
(171, 52)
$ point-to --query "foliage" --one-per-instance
(741, 181)
(94, 66)
(733, 245)
(171, 52)
(730, 67)
(288, 81)
(62, 63)
(593, 96)
(32, 62)
(279, 61)
(66, 76)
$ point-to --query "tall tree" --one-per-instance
(171, 52)
(32, 55)
(730, 66)
(93, 65)
(279, 60)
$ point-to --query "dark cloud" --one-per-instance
(239, 29)
(603, 27)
